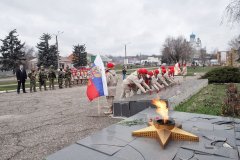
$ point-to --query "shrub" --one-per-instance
(223, 75)
(232, 101)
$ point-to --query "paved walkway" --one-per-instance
(218, 140)
(35, 125)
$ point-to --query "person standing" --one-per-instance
(184, 69)
(177, 69)
(21, 76)
(42, 78)
(51, 77)
(68, 75)
(124, 72)
(111, 78)
(32, 76)
(60, 78)
(78, 76)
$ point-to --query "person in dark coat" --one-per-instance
(21, 78)
(124, 72)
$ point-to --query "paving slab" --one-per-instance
(216, 140)
(77, 152)
(111, 139)
(127, 153)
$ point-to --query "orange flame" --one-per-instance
(162, 109)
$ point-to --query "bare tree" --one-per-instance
(29, 55)
(176, 50)
(235, 45)
(232, 12)
(203, 54)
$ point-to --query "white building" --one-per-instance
(63, 62)
(196, 43)
(151, 60)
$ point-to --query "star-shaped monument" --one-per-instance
(165, 132)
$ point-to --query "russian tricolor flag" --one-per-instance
(97, 83)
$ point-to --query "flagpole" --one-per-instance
(99, 109)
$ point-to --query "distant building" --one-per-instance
(154, 61)
(63, 62)
(196, 44)
(91, 57)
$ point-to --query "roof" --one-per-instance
(192, 35)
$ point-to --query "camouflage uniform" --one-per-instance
(32, 76)
(68, 77)
(60, 78)
(51, 77)
(42, 78)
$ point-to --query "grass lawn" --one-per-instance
(192, 70)
(27, 85)
(10, 82)
(208, 101)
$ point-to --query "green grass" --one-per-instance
(10, 82)
(191, 70)
(208, 101)
(27, 85)
(120, 66)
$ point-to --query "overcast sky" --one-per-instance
(106, 25)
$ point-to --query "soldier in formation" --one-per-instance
(32, 76)
(60, 78)
(42, 78)
(67, 77)
(51, 77)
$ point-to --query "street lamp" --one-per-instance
(125, 58)
(56, 36)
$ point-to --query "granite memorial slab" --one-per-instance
(77, 152)
(216, 141)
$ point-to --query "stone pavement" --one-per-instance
(34, 125)
(219, 136)
(219, 139)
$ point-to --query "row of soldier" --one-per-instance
(67, 77)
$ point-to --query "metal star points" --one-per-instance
(163, 133)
